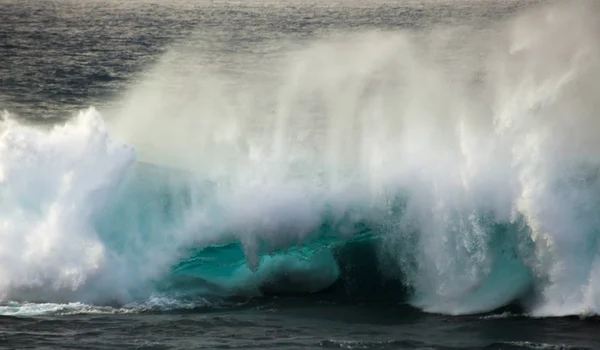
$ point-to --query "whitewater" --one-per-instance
(459, 165)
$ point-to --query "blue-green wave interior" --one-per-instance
(156, 202)
(348, 254)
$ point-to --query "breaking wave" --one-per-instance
(454, 169)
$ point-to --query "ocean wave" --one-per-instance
(459, 186)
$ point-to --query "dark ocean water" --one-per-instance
(295, 324)
(60, 57)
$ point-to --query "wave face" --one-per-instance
(456, 169)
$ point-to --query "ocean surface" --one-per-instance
(355, 174)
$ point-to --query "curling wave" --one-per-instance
(441, 170)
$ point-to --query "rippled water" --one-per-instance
(294, 324)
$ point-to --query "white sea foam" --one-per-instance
(52, 183)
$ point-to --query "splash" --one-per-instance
(52, 182)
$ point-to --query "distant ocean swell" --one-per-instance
(401, 182)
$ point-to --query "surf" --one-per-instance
(455, 169)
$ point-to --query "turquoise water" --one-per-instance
(345, 252)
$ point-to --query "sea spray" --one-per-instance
(486, 130)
